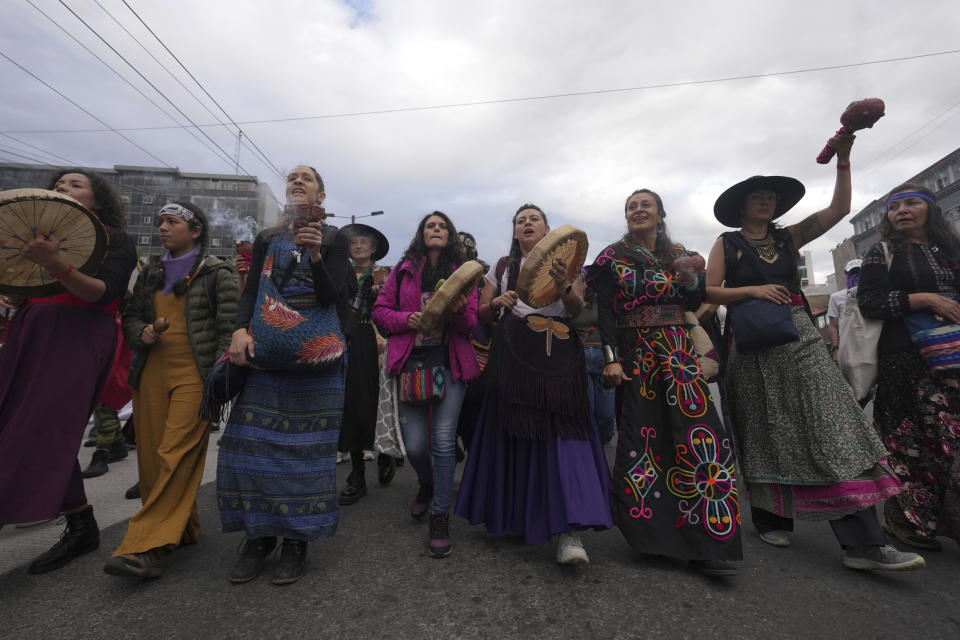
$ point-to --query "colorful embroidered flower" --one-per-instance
(706, 483)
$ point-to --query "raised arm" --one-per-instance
(815, 225)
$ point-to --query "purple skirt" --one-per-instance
(52, 368)
(534, 488)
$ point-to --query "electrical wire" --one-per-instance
(109, 128)
(190, 131)
(202, 88)
(153, 86)
(553, 96)
(36, 148)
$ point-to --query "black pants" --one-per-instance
(860, 529)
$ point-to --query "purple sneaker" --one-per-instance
(439, 545)
(422, 502)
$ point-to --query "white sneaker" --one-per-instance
(368, 455)
(343, 457)
(570, 549)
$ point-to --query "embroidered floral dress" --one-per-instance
(674, 489)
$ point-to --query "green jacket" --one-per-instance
(209, 334)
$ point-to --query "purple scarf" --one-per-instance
(176, 269)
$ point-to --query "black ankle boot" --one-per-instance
(118, 450)
(81, 536)
(386, 468)
(356, 482)
(98, 465)
(293, 562)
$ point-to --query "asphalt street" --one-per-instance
(375, 580)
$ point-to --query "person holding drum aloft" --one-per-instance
(276, 470)
(674, 486)
(536, 466)
(61, 345)
(367, 245)
(178, 322)
(429, 430)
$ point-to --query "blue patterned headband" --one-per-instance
(910, 194)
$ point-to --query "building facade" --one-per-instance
(942, 178)
(238, 206)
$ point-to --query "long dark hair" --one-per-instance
(937, 228)
(417, 251)
(664, 245)
(156, 280)
(112, 213)
(516, 254)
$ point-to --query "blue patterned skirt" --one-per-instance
(276, 470)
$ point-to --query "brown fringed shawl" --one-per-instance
(542, 382)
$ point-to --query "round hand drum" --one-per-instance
(437, 311)
(24, 213)
(535, 286)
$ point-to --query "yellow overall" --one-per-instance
(171, 439)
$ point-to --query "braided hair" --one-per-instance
(156, 279)
(515, 255)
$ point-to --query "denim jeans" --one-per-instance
(431, 444)
(602, 402)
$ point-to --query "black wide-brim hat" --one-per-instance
(729, 206)
(383, 247)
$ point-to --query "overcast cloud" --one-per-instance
(577, 157)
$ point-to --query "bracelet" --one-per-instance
(609, 355)
(63, 274)
(843, 165)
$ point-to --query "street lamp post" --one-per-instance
(353, 218)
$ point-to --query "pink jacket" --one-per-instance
(463, 360)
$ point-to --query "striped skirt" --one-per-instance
(276, 470)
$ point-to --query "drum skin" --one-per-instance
(535, 286)
(27, 212)
(461, 281)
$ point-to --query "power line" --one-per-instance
(154, 87)
(49, 153)
(192, 77)
(907, 137)
(192, 133)
(109, 128)
(570, 94)
(12, 152)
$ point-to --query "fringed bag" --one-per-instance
(224, 383)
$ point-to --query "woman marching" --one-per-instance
(177, 323)
(536, 466)
(276, 470)
(917, 410)
(367, 245)
(804, 446)
(674, 487)
(430, 432)
(64, 344)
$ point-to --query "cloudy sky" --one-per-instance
(320, 69)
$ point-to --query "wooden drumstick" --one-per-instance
(160, 325)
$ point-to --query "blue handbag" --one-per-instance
(292, 331)
(936, 339)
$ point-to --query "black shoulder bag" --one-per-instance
(759, 324)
